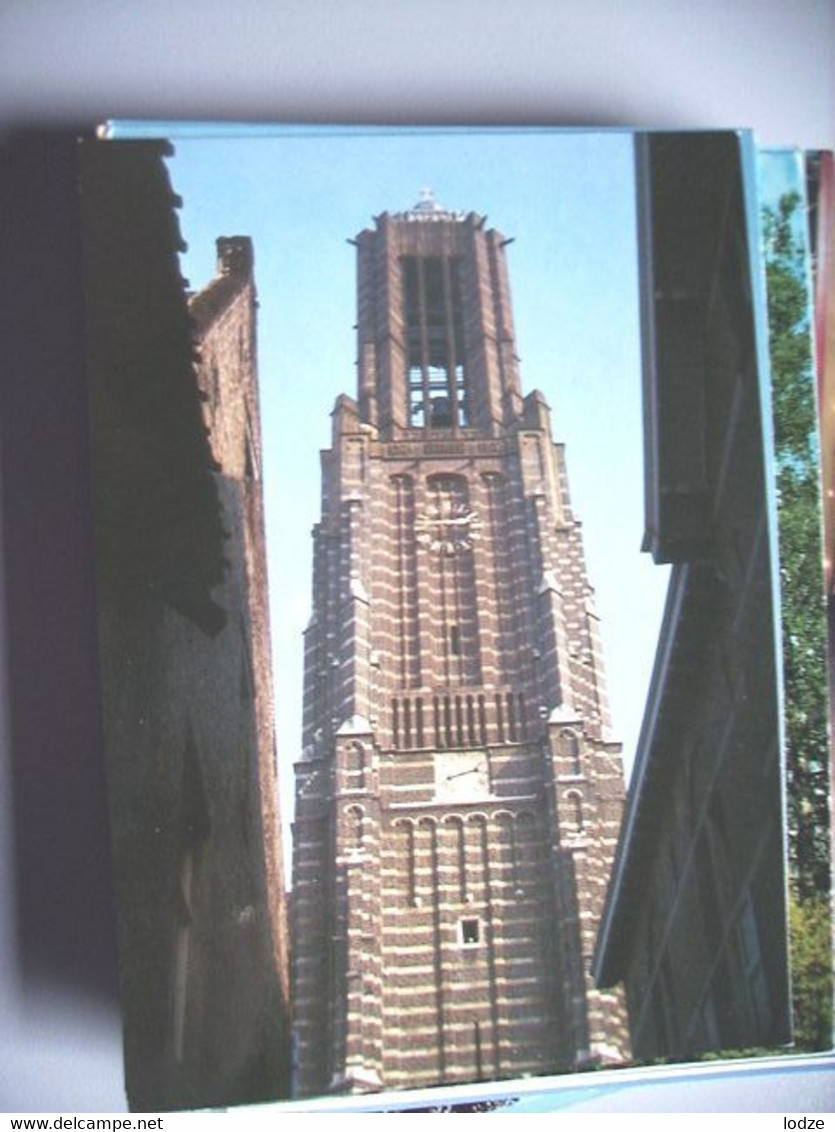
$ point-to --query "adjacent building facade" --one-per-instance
(184, 646)
(695, 918)
(459, 794)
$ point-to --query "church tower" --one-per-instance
(459, 794)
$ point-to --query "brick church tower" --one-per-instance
(459, 795)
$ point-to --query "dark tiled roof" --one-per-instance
(158, 515)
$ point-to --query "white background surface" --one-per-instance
(763, 64)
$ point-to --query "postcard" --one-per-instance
(461, 605)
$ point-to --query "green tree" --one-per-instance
(810, 926)
(804, 624)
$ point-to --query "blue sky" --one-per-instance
(567, 199)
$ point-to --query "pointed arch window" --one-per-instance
(573, 752)
(354, 828)
(355, 767)
(576, 822)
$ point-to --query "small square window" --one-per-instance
(470, 933)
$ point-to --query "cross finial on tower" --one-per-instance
(427, 202)
(427, 207)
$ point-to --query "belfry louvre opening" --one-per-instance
(436, 362)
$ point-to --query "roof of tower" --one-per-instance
(428, 208)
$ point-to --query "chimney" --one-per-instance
(234, 255)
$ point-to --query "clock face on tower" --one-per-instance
(461, 776)
(446, 527)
